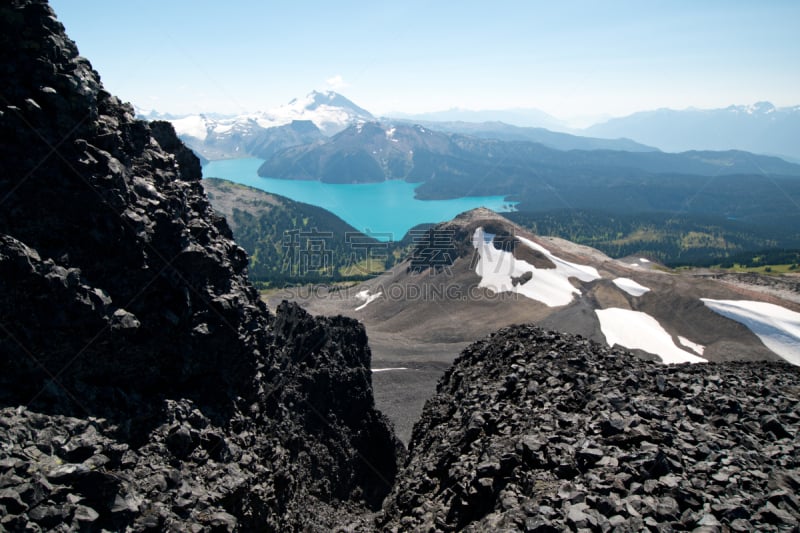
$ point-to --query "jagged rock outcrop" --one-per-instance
(145, 387)
(538, 431)
(143, 384)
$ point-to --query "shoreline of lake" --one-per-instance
(387, 209)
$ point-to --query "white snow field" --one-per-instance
(696, 348)
(367, 298)
(777, 327)
(630, 286)
(550, 286)
(637, 330)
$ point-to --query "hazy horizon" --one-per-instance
(575, 60)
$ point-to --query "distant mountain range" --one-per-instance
(552, 139)
(761, 128)
(376, 151)
(752, 198)
(322, 114)
(327, 137)
(528, 118)
(731, 184)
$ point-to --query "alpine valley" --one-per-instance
(482, 377)
(695, 207)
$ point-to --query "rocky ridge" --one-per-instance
(144, 386)
(532, 430)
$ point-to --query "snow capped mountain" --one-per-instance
(152, 114)
(759, 108)
(320, 114)
(329, 111)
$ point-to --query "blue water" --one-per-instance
(387, 209)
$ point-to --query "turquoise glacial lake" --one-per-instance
(387, 209)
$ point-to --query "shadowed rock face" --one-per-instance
(539, 431)
(149, 290)
(144, 386)
(157, 391)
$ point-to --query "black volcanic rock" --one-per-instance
(143, 384)
(115, 213)
(145, 387)
(538, 431)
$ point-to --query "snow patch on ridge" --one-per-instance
(639, 331)
(696, 348)
(551, 286)
(367, 298)
(631, 287)
(582, 272)
(777, 327)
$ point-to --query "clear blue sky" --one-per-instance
(567, 58)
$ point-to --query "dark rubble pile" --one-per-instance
(143, 384)
(538, 431)
(310, 453)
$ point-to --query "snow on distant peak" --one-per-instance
(500, 272)
(329, 111)
(760, 108)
